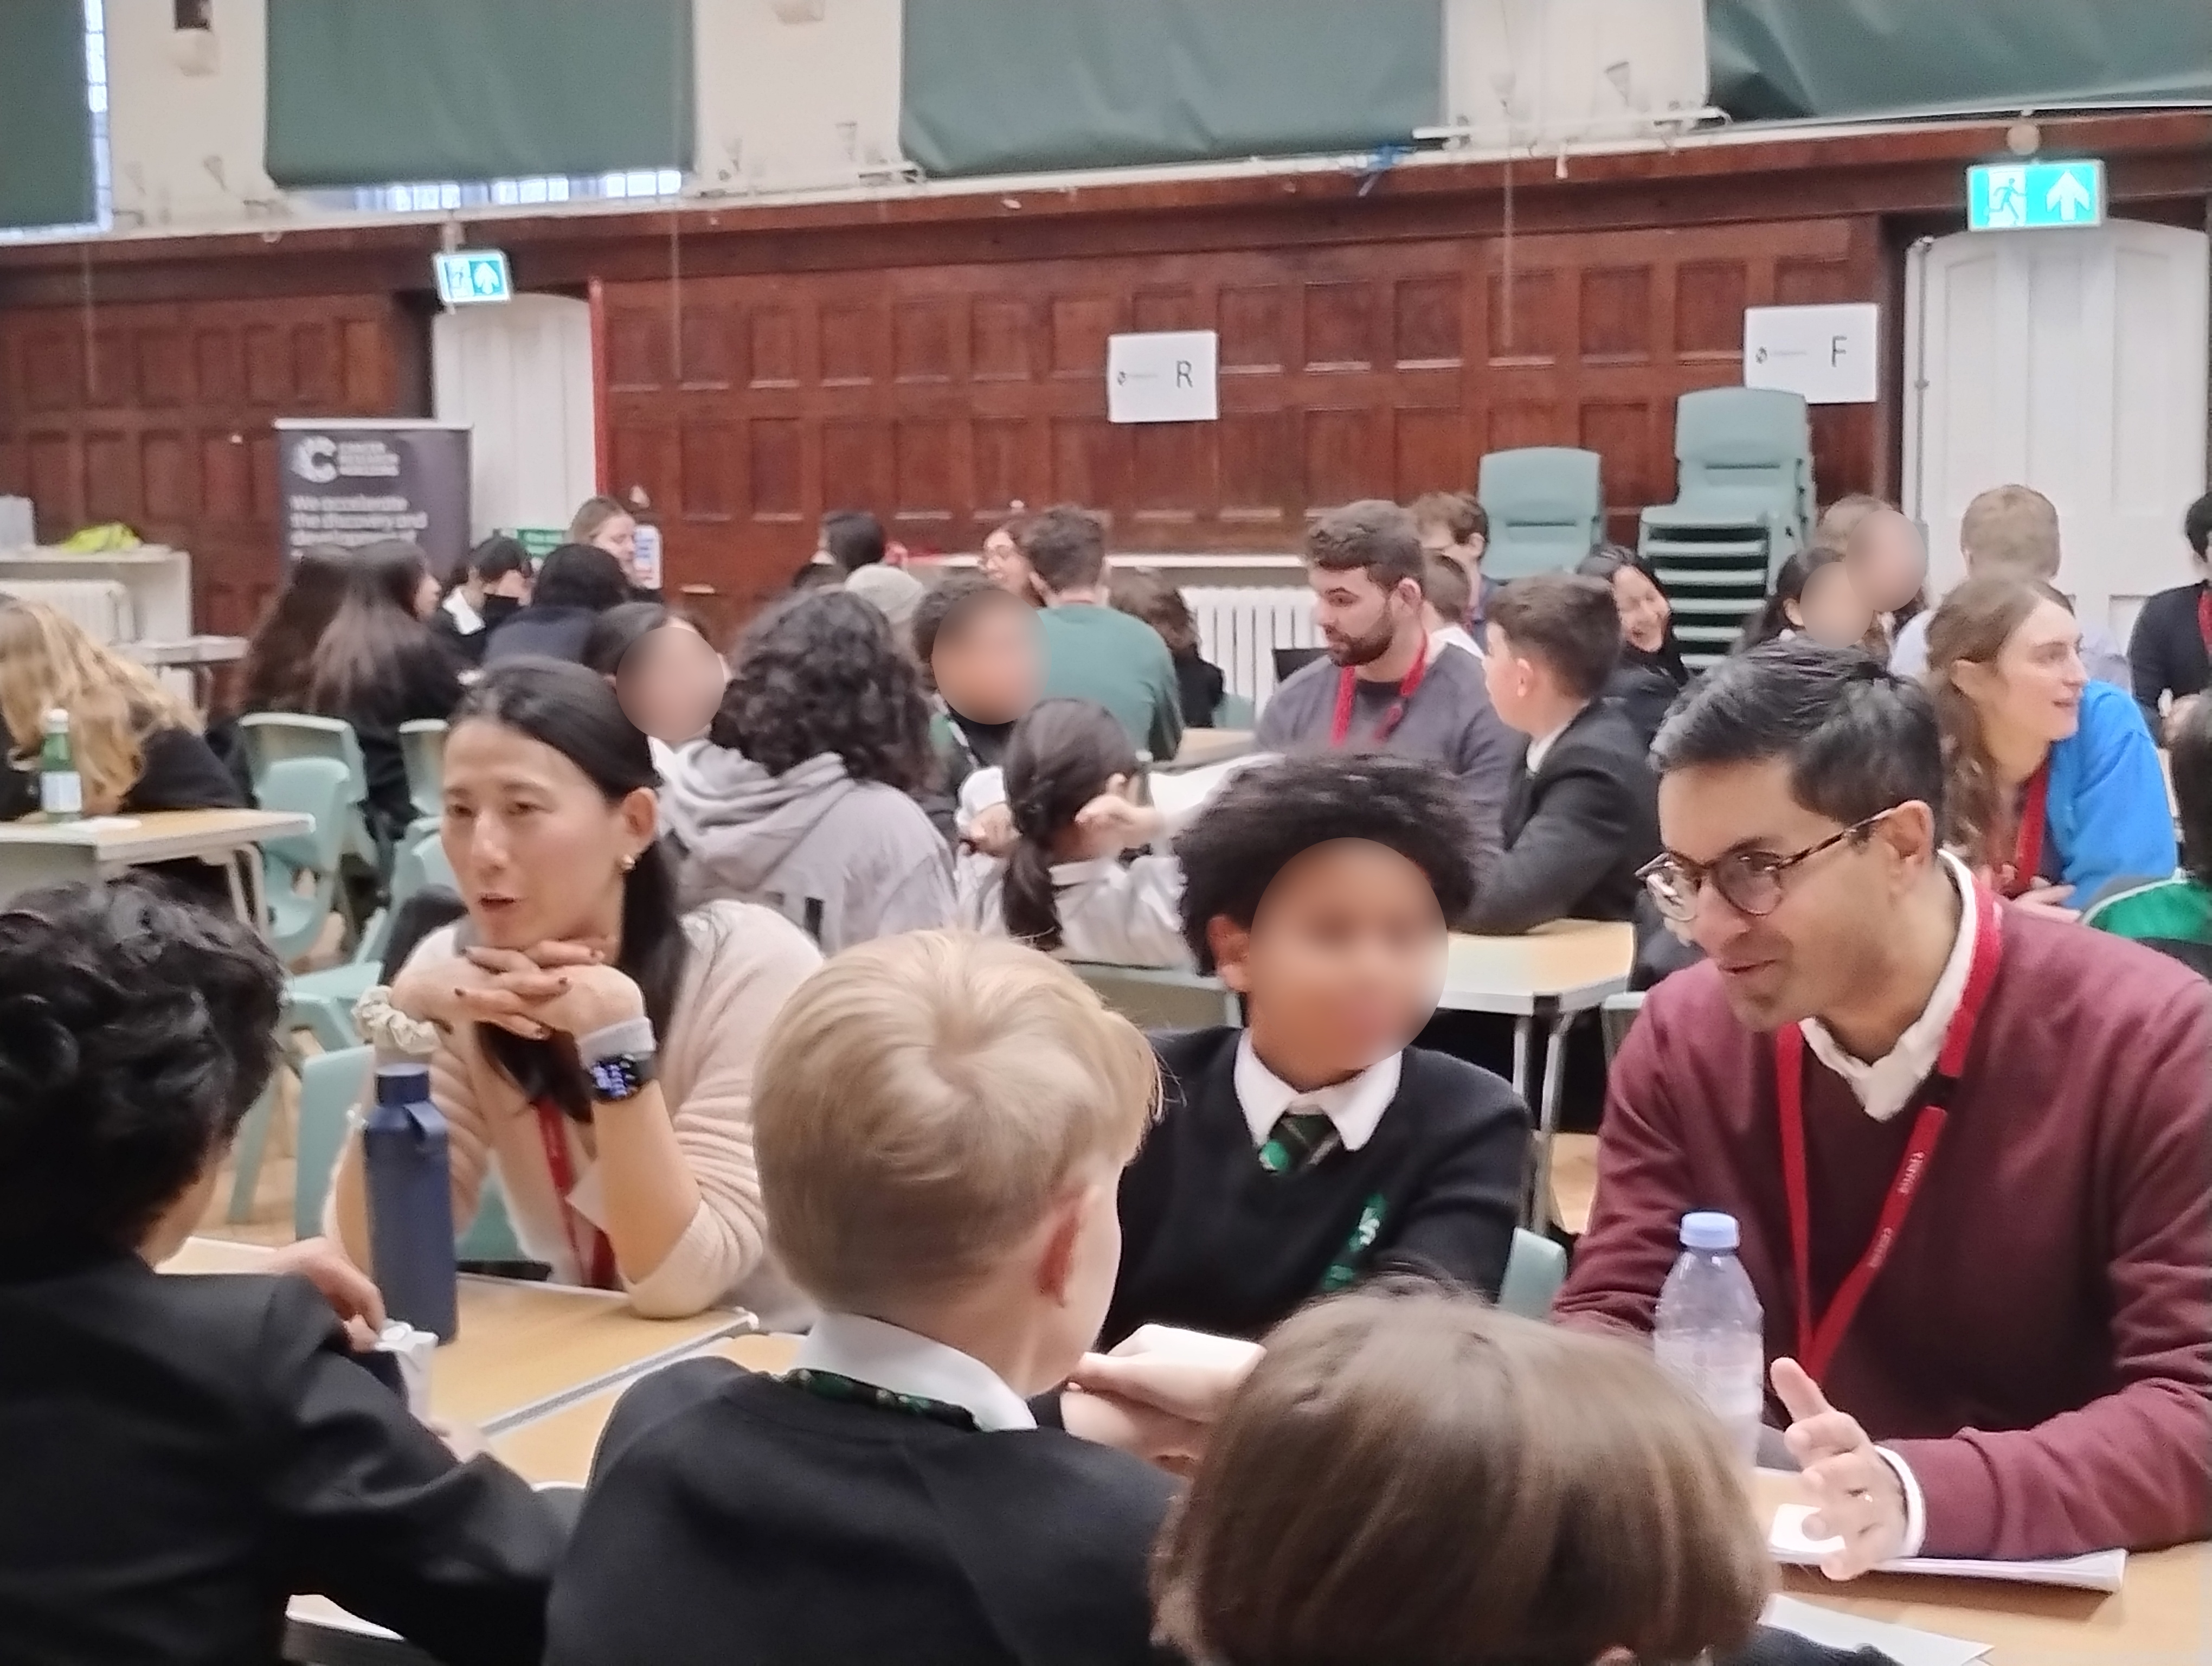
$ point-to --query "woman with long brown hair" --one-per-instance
(136, 746)
(2053, 786)
(379, 665)
(278, 658)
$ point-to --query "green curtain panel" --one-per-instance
(366, 92)
(1024, 86)
(45, 131)
(1778, 59)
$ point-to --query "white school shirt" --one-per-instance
(1886, 1085)
(1444, 636)
(1354, 1107)
(1115, 913)
(885, 1356)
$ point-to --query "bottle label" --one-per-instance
(61, 793)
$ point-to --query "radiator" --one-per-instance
(102, 606)
(1239, 631)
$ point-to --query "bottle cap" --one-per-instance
(1709, 1230)
(57, 718)
(402, 1084)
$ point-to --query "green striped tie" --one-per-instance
(1299, 1139)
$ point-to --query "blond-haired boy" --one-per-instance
(941, 1122)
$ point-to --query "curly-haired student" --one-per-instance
(803, 799)
(183, 1453)
(1316, 1148)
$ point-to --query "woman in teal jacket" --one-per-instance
(2053, 786)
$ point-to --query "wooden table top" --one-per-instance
(559, 1446)
(159, 836)
(520, 1343)
(1576, 963)
(1200, 746)
(2161, 1616)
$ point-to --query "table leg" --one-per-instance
(1547, 1116)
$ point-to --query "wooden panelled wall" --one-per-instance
(940, 395)
(158, 416)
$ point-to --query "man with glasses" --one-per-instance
(1969, 1148)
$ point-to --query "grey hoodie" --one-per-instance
(843, 859)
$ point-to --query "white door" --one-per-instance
(2073, 361)
(520, 372)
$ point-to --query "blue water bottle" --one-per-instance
(410, 1202)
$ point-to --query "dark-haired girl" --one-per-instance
(1814, 596)
(596, 1044)
(803, 796)
(1064, 888)
(379, 665)
(1650, 673)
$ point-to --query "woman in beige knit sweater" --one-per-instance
(589, 1044)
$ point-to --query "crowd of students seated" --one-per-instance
(825, 890)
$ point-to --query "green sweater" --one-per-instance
(2175, 916)
(1093, 653)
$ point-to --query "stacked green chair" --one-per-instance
(300, 870)
(1547, 508)
(1743, 505)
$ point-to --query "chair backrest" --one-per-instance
(1534, 1270)
(1157, 998)
(331, 1084)
(271, 736)
(1743, 446)
(1615, 1018)
(422, 747)
(316, 787)
(1546, 509)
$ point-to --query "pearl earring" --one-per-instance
(628, 863)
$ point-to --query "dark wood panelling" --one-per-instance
(938, 396)
(158, 415)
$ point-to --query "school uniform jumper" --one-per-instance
(1421, 1173)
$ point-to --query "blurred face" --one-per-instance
(1005, 566)
(617, 536)
(427, 597)
(1832, 611)
(1887, 560)
(1359, 620)
(537, 848)
(1823, 940)
(1643, 610)
(1515, 684)
(2033, 691)
(988, 670)
(671, 682)
(1343, 960)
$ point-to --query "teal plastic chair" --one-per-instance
(422, 747)
(330, 1085)
(270, 737)
(1546, 509)
(490, 1236)
(1743, 459)
(1615, 1018)
(322, 1002)
(1234, 711)
(315, 787)
(1534, 1270)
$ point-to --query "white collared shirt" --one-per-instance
(1540, 747)
(1115, 913)
(885, 1356)
(1444, 636)
(1885, 1086)
(1355, 1106)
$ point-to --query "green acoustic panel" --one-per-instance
(368, 92)
(1026, 86)
(1777, 59)
(45, 129)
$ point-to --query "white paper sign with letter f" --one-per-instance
(1163, 376)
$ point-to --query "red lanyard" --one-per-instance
(1347, 683)
(2027, 844)
(596, 1263)
(1817, 1338)
(2204, 617)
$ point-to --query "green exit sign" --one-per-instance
(2021, 196)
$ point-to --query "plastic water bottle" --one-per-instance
(1710, 1331)
(61, 790)
(410, 1202)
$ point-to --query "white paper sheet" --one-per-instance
(1905, 1645)
(2100, 1570)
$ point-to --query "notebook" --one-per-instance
(2100, 1570)
(1905, 1645)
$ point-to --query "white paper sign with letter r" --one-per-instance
(1831, 355)
(1163, 376)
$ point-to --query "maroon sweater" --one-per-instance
(2038, 1346)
